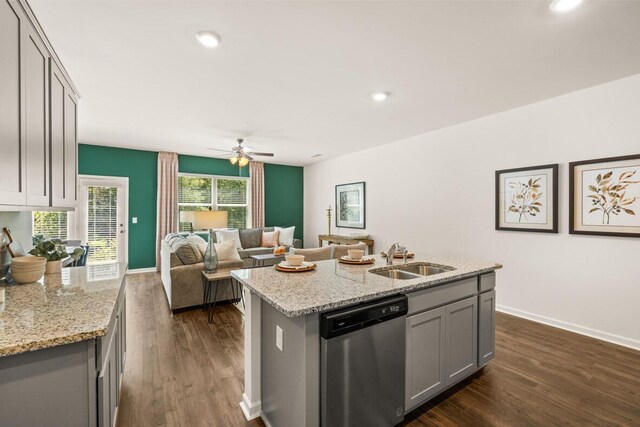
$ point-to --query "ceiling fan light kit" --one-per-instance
(240, 155)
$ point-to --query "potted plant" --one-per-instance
(54, 252)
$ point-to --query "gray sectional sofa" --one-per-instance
(183, 281)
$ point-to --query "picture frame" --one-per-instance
(526, 199)
(604, 196)
(351, 205)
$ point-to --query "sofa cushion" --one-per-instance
(286, 235)
(251, 237)
(225, 235)
(198, 241)
(227, 251)
(246, 253)
(188, 252)
(270, 239)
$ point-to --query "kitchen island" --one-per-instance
(447, 332)
(63, 347)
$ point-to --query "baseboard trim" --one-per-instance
(593, 333)
(141, 270)
(251, 410)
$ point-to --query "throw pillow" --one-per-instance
(286, 235)
(226, 235)
(269, 239)
(227, 251)
(198, 241)
(188, 253)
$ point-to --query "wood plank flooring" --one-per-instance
(183, 371)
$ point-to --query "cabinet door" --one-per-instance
(71, 148)
(425, 356)
(12, 168)
(36, 65)
(461, 339)
(107, 383)
(57, 91)
(486, 327)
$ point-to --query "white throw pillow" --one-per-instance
(198, 241)
(226, 235)
(227, 251)
(286, 235)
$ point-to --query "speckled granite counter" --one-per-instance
(333, 284)
(64, 308)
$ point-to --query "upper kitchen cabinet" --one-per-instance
(63, 113)
(12, 166)
(36, 88)
(38, 117)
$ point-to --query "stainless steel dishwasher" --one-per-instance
(362, 367)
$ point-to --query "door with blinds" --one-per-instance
(102, 218)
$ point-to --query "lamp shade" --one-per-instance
(207, 220)
(186, 216)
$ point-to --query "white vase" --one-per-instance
(53, 267)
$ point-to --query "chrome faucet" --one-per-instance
(391, 252)
(405, 255)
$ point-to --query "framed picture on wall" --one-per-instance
(527, 199)
(350, 205)
(604, 196)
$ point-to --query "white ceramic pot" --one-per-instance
(53, 267)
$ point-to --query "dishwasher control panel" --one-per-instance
(343, 321)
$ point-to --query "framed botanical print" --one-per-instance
(604, 196)
(350, 205)
(527, 199)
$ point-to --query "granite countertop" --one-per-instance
(71, 306)
(333, 284)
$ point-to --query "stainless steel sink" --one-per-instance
(395, 274)
(411, 271)
(423, 269)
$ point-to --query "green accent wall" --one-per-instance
(141, 167)
(284, 199)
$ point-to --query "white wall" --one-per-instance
(435, 193)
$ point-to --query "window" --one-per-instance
(51, 224)
(201, 192)
(102, 224)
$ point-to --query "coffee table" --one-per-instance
(210, 280)
(259, 260)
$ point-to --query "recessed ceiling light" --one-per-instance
(564, 5)
(379, 96)
(208, 39)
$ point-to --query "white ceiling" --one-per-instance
(295, 78)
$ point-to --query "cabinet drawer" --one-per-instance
(440, 295)
(487, 282)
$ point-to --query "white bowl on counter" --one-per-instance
(28, 269)
(294, 260)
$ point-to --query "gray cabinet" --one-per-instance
(63, 113)
(38, 114)
(12, 168)
(461, 329)
(425, 356)
(486, 327)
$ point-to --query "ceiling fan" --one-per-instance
(241, 155)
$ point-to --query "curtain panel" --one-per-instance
(256, 174)
(167, 199)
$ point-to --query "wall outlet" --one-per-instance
(134, 220)
(279, 337)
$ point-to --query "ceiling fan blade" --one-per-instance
(222, 151)
(246, 156)
(262, 154)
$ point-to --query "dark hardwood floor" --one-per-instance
(183, 371)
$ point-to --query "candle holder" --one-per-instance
(329, 221)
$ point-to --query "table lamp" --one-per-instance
(210, 220)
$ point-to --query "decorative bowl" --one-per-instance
(294, 260)
(355, 254)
